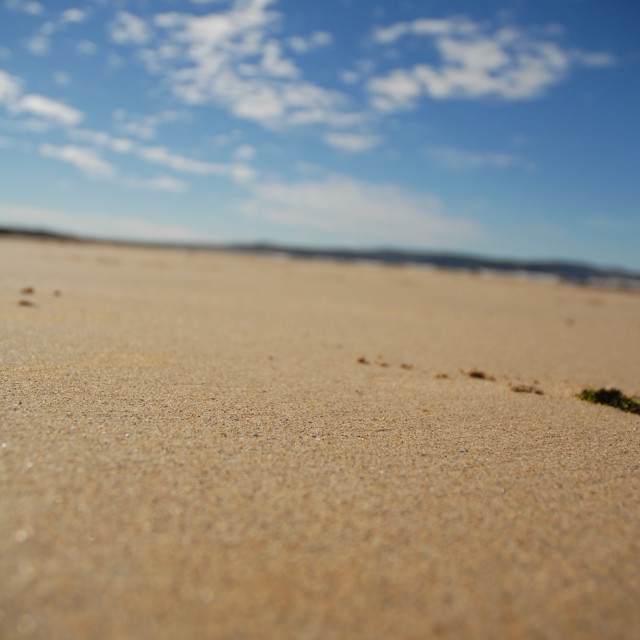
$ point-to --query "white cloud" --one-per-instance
(461, 159)
(232, 58)
(98, 225)
(352, 142)
(75, 16)
(398, 90)
(274, 64)
(348, 209)
(83, 159)
(10, 87)
(25, 6)
(86, 48)
(5, 143)
(314, 41)
(476, 61)
(48, 109)
(42, 107)
(388, 35)
(129, 29)
(423, 27)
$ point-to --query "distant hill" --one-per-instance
(36, 233)
(566, 271)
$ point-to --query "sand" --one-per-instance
(207, 445)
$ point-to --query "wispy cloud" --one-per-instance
(33, 104)
(476, 61)
(40, 42)
(462, 159)
(238, 170)
(161, 183)
(165, 158)
(423, 27)
(352, 142)
(347, 209)
(145, 127)
(315, 41)
(49, 109)
(127, 28)
(25, 6)
(85, 160)
(102, 139)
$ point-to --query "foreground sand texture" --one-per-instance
(191, 448)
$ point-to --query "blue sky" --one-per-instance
(495, 128)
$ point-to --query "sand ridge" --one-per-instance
(209, 445)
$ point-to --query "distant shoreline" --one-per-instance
(577, 273)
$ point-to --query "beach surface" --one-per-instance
(206, 445)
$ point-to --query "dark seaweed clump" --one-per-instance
(612, 397)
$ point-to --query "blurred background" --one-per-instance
(504, 129)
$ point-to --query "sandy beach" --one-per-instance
(208, 445)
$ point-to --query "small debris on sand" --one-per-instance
(27, 291)
(26, 303)
(406, 366)
(526, 388)
(442, 376)
(480, 375)
(612, 397)
(363, 360)
(57, 293)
